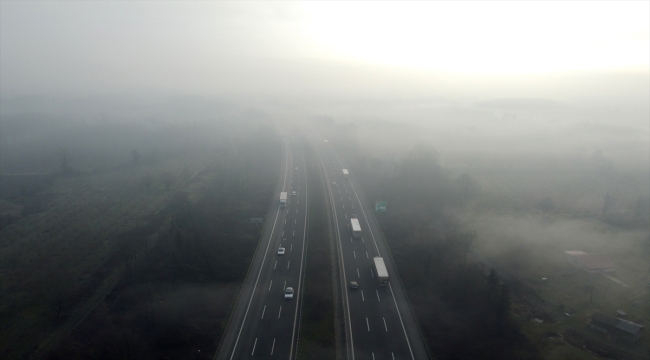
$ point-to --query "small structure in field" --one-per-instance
(591, 263)
(623, 329)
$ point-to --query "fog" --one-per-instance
(502, 134)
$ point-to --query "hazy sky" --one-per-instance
(419, 49)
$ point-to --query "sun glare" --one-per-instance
(486, 37)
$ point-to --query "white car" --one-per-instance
(333, 183)
(288, 293)
(293, 193)
(281, 251)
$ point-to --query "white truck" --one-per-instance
(346, 174)
(380, 269)
(355, 226)
(283, 199)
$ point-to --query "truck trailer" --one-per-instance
(346, 174)
(283, 199)
(382, 272)
(355, 226)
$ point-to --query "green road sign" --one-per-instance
(381, 206)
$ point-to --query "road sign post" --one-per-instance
(380, 206)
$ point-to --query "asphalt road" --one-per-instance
(379, 321)
(264, 324)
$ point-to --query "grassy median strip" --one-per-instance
(317, 338)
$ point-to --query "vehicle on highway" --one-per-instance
(382, 272)
(288, 293)
(283, 199)
(281, 251)
(355, 226)
(333, 183)
(293, 193)
(354, 285)
(346, 174)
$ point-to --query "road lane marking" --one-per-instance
(385, 327)
(280, 312)
(373, 354)
(282, 233)
(344, 206)
(350, 240)
(358, 273)
(276, 264)
(349, 198)
(355, 254)
(270, 285)
(393, 355)
(346, 216)
(363, 241)
(362, 297)
(367, 257)
(294, 233)
(378, 299)
(285, 285)
(296, 211)
(352, 206)
(273, 347)
(288, 262)
(341, 198)
(255, 344)
(263, 311)
(291, 248)
(295, 221)
(372, 273)
(368, 325)
(285, 221)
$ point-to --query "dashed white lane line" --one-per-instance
(254, 344)
(355, 254)
(378, 299)
(372, 273)
(280, 312)
(367, 257)
(385, 327)
(270, 286)
(296, 211)
(349, 198)
(273, 347)
(294, 233)
(344, 206)
(291, 248)
(276, 264)
(393, 355)
(285, 221)
(263, 311)
(373, 354)
(346, 215)
(368, 325)
(295, 221)
(358, 275)
(352, 206)
(363, 298)
(285, 286)
(289, 262)
(282, 233)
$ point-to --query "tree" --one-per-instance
(168, 179)
(136, 156)
(466, 187)
(547, 204)
(147, 180)
(63, 159)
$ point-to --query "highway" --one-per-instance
(379, 321)
(264, 324)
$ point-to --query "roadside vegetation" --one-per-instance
(140, 256)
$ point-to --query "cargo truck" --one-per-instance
(346, 174)
(382, 272)
(283, 199)
(355, 226)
